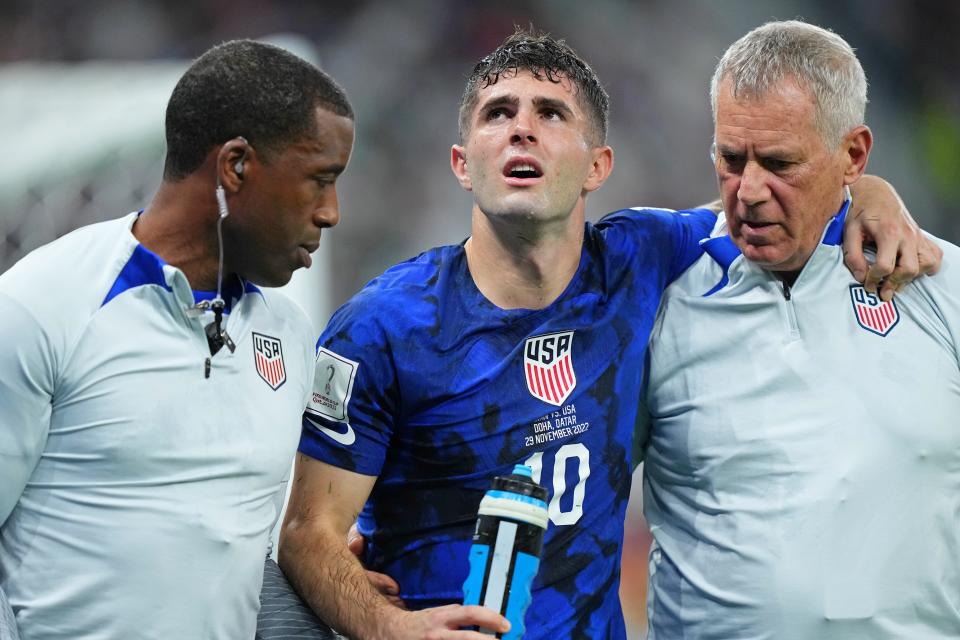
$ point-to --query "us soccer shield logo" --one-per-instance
(548, 366)
(872, 313)
(268, 355)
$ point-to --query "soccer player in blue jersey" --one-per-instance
(146, 431)
(524, 344)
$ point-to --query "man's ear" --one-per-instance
(856, 147)
(458, 164)
(601, 168)
(232, 160)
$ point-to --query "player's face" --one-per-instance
(778, 181)
(529, 152)
(287, 201)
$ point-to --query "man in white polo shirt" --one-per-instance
(150, 391)
(802, 470)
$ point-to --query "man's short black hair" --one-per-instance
(547, 58)
(245, 88)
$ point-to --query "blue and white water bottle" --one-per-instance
(505, 554)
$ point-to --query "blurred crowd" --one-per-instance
(403, 65)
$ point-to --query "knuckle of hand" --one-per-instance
(883, 266)
(891, 228)
(906, 269)
(909, 230)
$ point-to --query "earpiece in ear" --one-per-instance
(238, 165)
(222, 201)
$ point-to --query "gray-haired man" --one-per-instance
(802, 471)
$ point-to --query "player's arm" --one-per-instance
(26, 388)
(903, 251)
(324, 503)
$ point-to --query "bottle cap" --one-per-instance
(522, 470)
(520, 481)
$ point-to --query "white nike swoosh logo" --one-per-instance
(347, 438)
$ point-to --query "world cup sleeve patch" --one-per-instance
(872, 313)
(332, 386)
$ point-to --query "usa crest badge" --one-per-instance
(548, 366)
(268, 356)
(872, 313)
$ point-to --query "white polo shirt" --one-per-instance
(802, 474)
(137, 493)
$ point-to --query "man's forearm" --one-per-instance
(333, 583)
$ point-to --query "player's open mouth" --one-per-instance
(521, 171)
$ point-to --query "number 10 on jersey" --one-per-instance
(576, 456)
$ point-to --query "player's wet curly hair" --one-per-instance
(250, 89)
(547, 58)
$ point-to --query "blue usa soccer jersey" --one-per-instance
(423, 382)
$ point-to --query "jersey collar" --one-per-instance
(724, 251)
(145, 268)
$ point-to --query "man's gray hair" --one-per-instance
(819, 60)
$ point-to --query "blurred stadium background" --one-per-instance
(83, 86)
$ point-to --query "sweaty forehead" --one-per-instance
(524, 87)
(524, 84)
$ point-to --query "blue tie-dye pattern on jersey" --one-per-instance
(440, 406)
